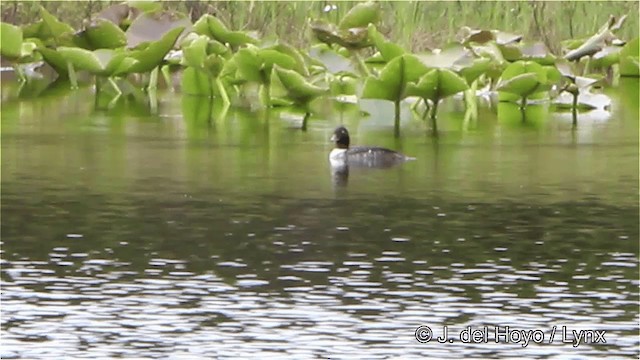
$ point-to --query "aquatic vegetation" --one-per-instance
(353, 59)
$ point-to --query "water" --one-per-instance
(128, 234)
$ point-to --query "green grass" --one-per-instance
(415, 25)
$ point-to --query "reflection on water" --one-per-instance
(127, 234)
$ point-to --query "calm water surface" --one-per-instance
(129, 234)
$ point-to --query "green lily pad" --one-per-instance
(392, 82)
(445, 58)
(298, 88)
(524, 85)
(195, 53)
(55, 28)
(211, 26)
(437, 84)
(343, 85)
(476, 68)
(55, 60)
(331, 60)
(352, 38)
(293, 53)
(630, 59)
(361, 15)
(154, 26)
(153, 54)
(102, 62)
(115, 13)
(10, 41)
(104, 34)
(388, 50)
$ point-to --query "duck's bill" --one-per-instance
(333, 137)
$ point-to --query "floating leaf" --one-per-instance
(294, 54)
(153, 55)
(388, 49)
(361, 15)
(332, 61)
(10, 41)
(151, 27)
(524, 85)
(102, 62)
(586, 101)
(55, 60)
(104, 34)
(437, 84)
(298, 88)
(115, 13)
(195, 53)
(446, 58)
(353, 38)
(630, 58)
(393, 79)
(476, 68)
(54, 27)
(211, 26)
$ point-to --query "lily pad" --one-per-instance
(586, 101)
(55, 28)
(361, 15)
(446, 58)
(153, 55)
(10, 41)
(437, 84)
(524, 85)
(392, 82)
(153, 26)
(104, 34)
(102, 62)
(388, 50)
(630, 59)
(352, 38)
(211, 26)
(332, 61)
(298, 88)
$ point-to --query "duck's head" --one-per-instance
(341, 137)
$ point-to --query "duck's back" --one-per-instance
(371, 156)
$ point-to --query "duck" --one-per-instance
(361, 156)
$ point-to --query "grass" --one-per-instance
(415, 25)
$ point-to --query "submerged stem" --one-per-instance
(396, 122)
(361, 63)
(434, 114)
(574, 110)
(307, 115)
(73, 79)
(153, 79)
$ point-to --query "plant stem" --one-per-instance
(396, 123)
(167, 77)
(574, 110)
(434, 114)
(223, 93)
(153, 79)
(265, 95)
(361, 63)
(307, 115)
(73, 79)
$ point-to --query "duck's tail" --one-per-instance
(409, 158)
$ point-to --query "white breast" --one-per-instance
(338, 157)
